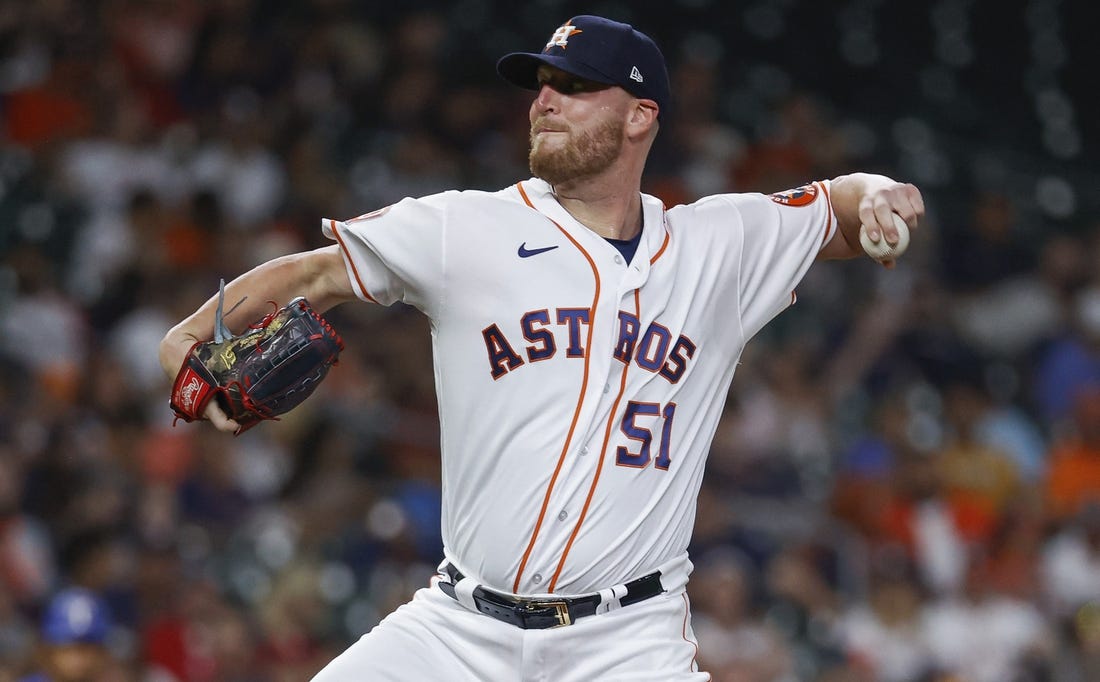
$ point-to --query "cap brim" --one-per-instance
(521, 68)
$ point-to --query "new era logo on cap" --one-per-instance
(599, 50)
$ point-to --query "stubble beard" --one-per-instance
(582, 156)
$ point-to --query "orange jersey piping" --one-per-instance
(351, 262)
(694, 659)
(576, 411)
(828, 225)
(828, 214)
(660, 251)
(664, 244)
(599, 465)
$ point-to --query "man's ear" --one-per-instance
(643, 117)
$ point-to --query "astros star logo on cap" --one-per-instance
(561, 36)
(609, 52)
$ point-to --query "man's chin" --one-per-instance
(550, 172)
(543, 166)
(548, 178)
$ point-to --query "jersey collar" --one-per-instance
(542, 198)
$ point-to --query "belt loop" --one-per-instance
(609, 598)
(464, 593)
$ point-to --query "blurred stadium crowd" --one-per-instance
(905, 486)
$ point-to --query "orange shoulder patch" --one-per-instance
(800, 196)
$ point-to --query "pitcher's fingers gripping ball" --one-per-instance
(263, 373)
(882, 250)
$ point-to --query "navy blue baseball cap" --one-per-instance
(600, 50)
(76, 615)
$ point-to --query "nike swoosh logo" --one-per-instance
(525, 252)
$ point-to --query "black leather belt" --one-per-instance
(542, 613)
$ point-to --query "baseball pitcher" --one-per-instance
(584, 336)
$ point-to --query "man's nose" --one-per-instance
(547, 99)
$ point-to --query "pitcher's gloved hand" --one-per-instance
(264, 372)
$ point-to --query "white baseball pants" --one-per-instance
(433, 637)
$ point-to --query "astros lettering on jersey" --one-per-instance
(568, 378)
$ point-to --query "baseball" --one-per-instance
(882, 250)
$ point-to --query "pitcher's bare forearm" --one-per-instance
(317, 275)
(864, 198)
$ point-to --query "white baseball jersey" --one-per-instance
(579, 393)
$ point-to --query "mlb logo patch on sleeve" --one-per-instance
(800, 196)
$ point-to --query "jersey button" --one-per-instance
(563, 515)
(537, 578)
(584, 450)
(619, 260)
(606, 388)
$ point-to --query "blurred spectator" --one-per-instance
(1006, 428)
(43, 329)
(212, 495)
(1015, 547)
(989, 248)
(1071, 564)
(797, 144)
(122, 156)
(27, 569)
(76, 628)
(775, 439)
(1011, 317)
(1071, 363)
(805, 609)
(155, 41)
(984, 636)
(294, 617)
(1080, 657)
(44, 113)
(1074, 478)
(982, 478)
(238, 165)
(204, 640)
(735, 643)
(867, 469)
(894, 493)
(117, 255)
(17, 639)
(883, 636)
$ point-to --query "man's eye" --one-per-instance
(567, 85)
